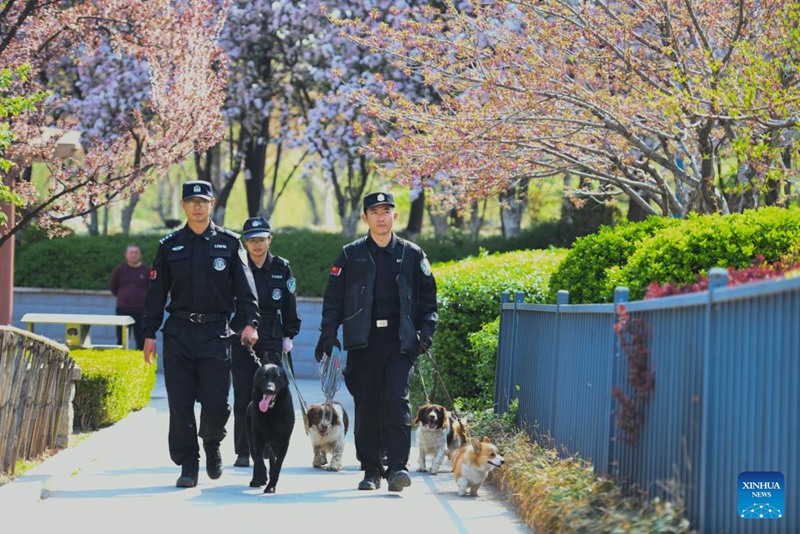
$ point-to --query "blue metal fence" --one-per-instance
(726, 397)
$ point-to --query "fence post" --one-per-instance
(562, 298)
(501, 388)
(621, 297)
(717, 278)
(67, 411)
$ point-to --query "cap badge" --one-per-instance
(381, 198)
(197, 189)
(256, 223)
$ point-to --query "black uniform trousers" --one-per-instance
(243, 369)
(197, 367)
(379, 379)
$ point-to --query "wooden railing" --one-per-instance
(37, 384)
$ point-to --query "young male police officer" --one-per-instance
(203, 269)
(381, 291)
(278, 324)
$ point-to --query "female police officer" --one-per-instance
(203, 270)
(383, 294)
(278, 324)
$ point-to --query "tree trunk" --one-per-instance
(416, 213)
(127, 213)
(512, 207)
(476, 220)
(308, 189)
(439, 223)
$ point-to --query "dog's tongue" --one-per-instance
(264, 403)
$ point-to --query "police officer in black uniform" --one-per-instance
(383, 294)
(203, 270)
(278, 324)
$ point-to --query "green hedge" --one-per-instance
(113, 383)
(681, 252)
(469, 296)
(86, 262)
(584, 271)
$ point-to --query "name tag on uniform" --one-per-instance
(382, 323)
(220, 245)
(277, 276)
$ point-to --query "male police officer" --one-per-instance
(279, 323)
(382, 292)
(203, 269)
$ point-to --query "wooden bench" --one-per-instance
(77, 326)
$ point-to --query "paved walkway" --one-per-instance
(120, 479)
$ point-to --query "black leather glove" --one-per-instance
(325, 346)
(425, 342)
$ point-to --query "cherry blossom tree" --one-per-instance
(651, 99)
(170, 47)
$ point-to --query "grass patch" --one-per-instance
(554, 494)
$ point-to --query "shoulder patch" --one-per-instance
(425, 266)
(168, 237)
(291, 285)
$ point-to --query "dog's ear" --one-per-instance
(476, 445)
(486, 439)
(419, 416)
(271, 356)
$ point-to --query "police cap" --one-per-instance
(376, 199)
(197, 188)
(255, 227)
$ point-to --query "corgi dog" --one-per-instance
(472, 463)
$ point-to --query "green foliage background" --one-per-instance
(469, 296)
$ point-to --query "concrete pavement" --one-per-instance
(120, 479)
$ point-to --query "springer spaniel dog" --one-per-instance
(440, 433)
(327, 429)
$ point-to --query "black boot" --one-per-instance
(372, 480)
(188, 478)
(242, 460)
(399, 479)
(213, 460)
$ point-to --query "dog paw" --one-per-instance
(269, 489)
(257, 483)
(333, 467)
(433, 471)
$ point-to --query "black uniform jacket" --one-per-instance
(277, 301)
(205, 273)
(349, 296)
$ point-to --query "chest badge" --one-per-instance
(276, 294)
(219, 264)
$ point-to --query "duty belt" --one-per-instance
(200, 318)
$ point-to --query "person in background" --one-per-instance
(202, 269)
(278, 325)
(383, 294)
(129, 285)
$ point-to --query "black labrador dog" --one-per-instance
(269, 424)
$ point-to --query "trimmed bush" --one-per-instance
(77, 262)
(680, 253)
(113, 383)
(86, 262)
(584, 271)
(483, 345)
(469, 296)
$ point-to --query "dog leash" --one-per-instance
(330, 374)
(444, 386)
